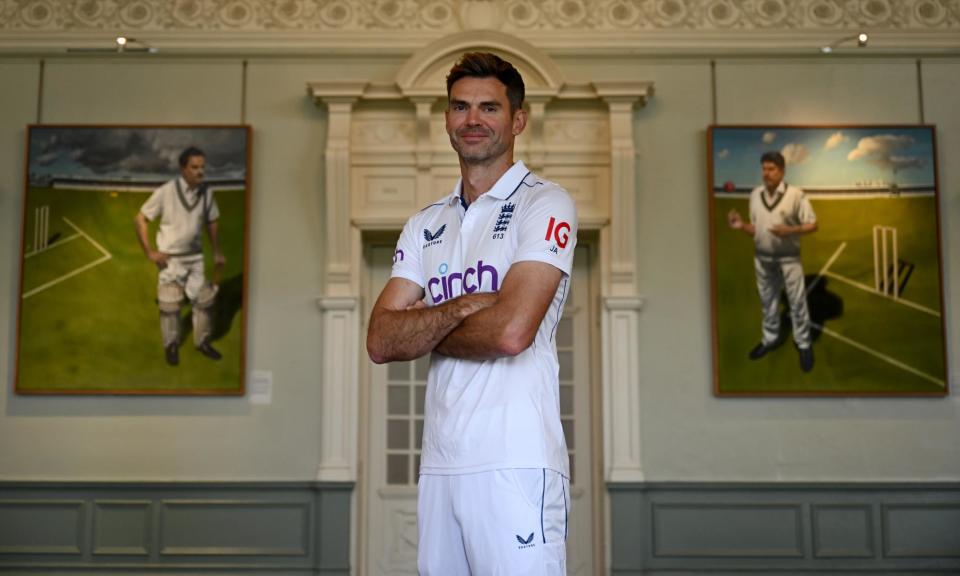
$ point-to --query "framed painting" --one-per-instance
(133, 260)
(825, 261)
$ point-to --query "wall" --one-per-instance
(687, 434)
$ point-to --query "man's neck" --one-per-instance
(772, 191)
(478, 179)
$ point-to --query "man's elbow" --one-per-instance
(515, 339)
(374, 351)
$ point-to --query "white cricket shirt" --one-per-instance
(788, 205)
(181, 215)
(502, 413)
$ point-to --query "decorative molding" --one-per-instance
(378, 25)
(447, 16)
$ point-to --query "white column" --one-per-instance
(621, 390)
(621, 302)
(339, 396)
(537, 150)
(339, 252)
(339, 306)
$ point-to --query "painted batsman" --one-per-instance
(185, 206)
(779, 215)
(492, 261)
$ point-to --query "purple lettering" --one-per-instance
(466, 279)
(495, 284)
(437, 298)
(455, 276)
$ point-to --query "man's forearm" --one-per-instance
(213, 232)
(408, 334)
(142, 233)
(478, 337)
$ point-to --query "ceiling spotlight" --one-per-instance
(121, 45)
(861, 40)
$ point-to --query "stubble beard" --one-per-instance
(478, 155)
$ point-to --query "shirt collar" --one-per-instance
(184, 186)
(780, 189)
(504, 187)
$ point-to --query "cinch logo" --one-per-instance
(559, 231)
(525, 542)
(469, 281)
(398, 256)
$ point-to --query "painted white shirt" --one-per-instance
(502, 413)
(788, 205)
(181, 220)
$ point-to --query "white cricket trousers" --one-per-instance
(497, 523)
(787, 274)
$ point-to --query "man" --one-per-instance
(185, 206)
(492, 260)
(779, 215)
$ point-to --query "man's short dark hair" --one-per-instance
(189, 153)
(486, 65)
(774, 158)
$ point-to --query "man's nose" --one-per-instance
(473, 116)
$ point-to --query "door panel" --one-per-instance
(395, 429)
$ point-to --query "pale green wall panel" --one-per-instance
(817, 91)
(142, 90)
(941, 93)
(18, 108)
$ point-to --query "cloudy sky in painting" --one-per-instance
(826, 157)
(134, 153)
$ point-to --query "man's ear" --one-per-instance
(519, 121)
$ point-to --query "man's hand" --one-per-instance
(158, 258)
(402, 327)
(783, 230)
(734, 219)
(737, 223)
(510, 325)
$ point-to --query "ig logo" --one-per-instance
(559, 231)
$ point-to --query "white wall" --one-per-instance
(687, 434)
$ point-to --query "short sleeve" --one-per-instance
(805, 212)
(406, 258)
(548, 229)
(153, 207)
(213, 211)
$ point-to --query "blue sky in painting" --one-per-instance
(133, 153)
(826, 157)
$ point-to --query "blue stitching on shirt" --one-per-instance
(518, 186)
(564, 488)
(563, 301)
(543, 493)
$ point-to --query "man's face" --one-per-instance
(772, 175)
(193, 172)
(479, 121)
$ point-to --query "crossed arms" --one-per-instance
(473, 326)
